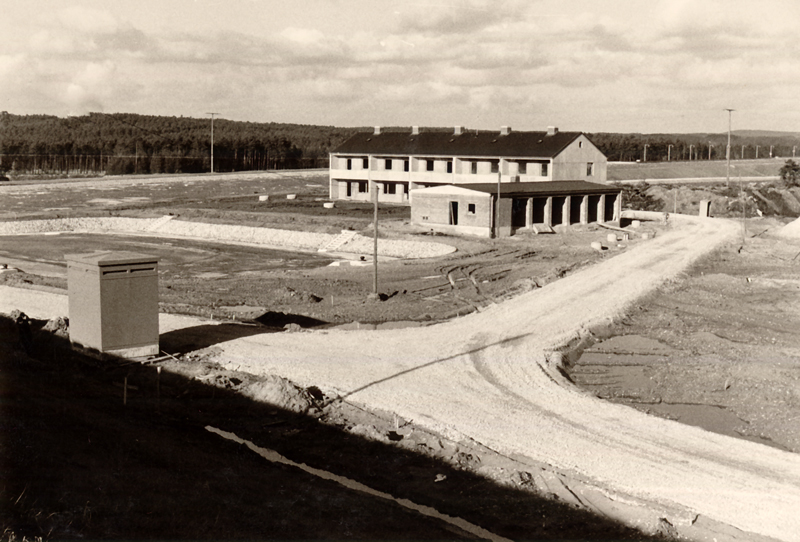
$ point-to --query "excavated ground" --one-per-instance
(716, 350)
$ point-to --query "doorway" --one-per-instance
(454, 213)
(519, 212)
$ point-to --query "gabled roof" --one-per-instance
(542, 188)
(489, 144)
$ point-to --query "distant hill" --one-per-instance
(765, 133)
(125, 143)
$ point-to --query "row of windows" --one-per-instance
(363, 188)
(429, 166)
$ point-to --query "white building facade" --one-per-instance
(393, 163)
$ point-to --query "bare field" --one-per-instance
(695, 325)
(229, 282)
(765, 168)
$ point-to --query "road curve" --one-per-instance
(491, 376)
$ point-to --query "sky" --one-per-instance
(647, 66)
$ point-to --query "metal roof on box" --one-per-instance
(102, 258)
(546, 188)
(481, 144)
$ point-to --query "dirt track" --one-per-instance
(488, 377)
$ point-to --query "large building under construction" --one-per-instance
(453, 180)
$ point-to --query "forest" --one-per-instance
(745, 145)
(125, 143)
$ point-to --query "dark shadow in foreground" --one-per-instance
(77, 463)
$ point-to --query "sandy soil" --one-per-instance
(730, 325)
(495, 378)
(488, 376)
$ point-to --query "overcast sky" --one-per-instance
(590, 65)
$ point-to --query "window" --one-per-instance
(523, 168)
(589, 169)
(474, 169)
(495, 166)
(544, 170)
(429, 165)
(450, 166)
(349, 163)
(580, 144)
(471, 208)
(387, 164)
(389, 188)
(405, 165)
(365, 163)
(362, 187)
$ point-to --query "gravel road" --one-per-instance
(493, 377)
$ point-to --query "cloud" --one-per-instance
(87, 20)
(456, 17)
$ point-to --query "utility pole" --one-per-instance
(709, 150)
(757, 146)
(728, 149)
(742, 156)
(212, 140)
(645, 152)
(770, 150)
(374, 189)
(669, 153)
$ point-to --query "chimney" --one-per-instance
(505, 130)
(457, 130)
(415, 130)
(552, 130)
(377, 130)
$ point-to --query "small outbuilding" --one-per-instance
(534, 206)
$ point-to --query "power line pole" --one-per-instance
(212, 140)
(374, 189)
(728, 149)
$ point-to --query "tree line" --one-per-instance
(684, 147)
(125, 143)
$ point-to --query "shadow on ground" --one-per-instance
(190, 339)
(78, 463)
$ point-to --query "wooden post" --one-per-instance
(125, 391)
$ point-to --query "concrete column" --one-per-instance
(617, 207)
(565, 211)
(601, 209)
(585, 210)
(548, 212)
(529, 213)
